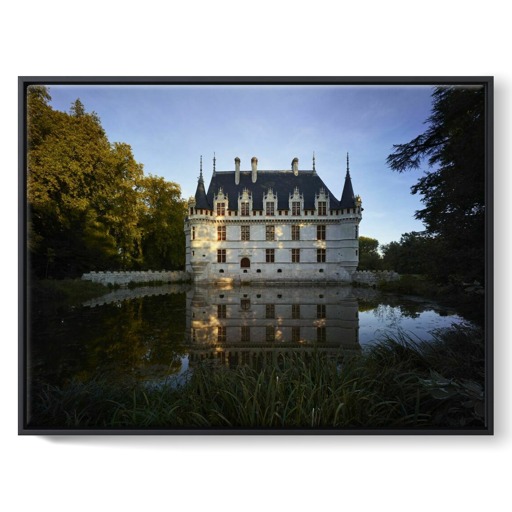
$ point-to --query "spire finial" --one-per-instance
(348, 168)
(214, 160)
(314, 170)
(201, 168)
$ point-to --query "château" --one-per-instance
(272, 225)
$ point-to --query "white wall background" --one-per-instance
(255, 473)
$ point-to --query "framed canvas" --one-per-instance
(255, 255)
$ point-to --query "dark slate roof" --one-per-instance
(200, 197)
(347, 197)
(283, 184)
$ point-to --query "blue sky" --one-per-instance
(169, 127)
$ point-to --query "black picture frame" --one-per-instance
(24, 314)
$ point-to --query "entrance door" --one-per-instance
(245, 263)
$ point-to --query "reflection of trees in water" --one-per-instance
(385, 307)
(125, 341)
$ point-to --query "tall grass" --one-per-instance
(393, 384)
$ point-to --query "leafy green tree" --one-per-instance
(369, 257)
(453, 187)
(90, 207)
(66, 167)
(163, 239)
(416, 253)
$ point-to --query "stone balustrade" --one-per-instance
(372, 277)
(123, 278)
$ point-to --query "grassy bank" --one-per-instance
(393, 384)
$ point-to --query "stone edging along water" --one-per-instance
(123, 278)
(143, 276)
(372, 277)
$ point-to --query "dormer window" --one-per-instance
(296, 202)
(244, 209)
(245, 203)
(270, 201)
(322, 202)
(221, 201)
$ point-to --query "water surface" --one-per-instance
(148, 334)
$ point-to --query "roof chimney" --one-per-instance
(295, 166)
(254, 166)
(237, 170)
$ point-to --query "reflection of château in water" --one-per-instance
(240, 325)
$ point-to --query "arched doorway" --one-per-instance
(245, 263)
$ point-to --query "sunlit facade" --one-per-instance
(277, 225)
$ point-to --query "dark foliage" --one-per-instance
(453, 187)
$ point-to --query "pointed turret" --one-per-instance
(347, 197)
(200, 197)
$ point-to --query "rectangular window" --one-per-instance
(221, 310)
(320, 311)
(245, 233)
(270, 311)
(321, 334)
(295, 311)
(269, 255)
(271, 333)
(244, 209)
(295, 232)
(221, 333)
(357, 231)
(269, 208)
(295, 208)
(193, 232)
(270, 233)
(295, 334)
(320, 232)
(295, 255)
(320, 255)
(221, 208)
(322, 208)
(245, 334)
(221, 255)
(221, 232)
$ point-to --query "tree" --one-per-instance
(453, 187)
(163, 238)
(416, 253)
(369, 257)
(90, 207)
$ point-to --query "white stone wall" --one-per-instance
(144, 276)
(341, 247)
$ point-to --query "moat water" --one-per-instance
(151, 334)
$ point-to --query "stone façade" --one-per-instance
(272, 226)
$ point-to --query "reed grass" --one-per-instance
(396, 383)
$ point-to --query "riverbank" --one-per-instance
(394, 384)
